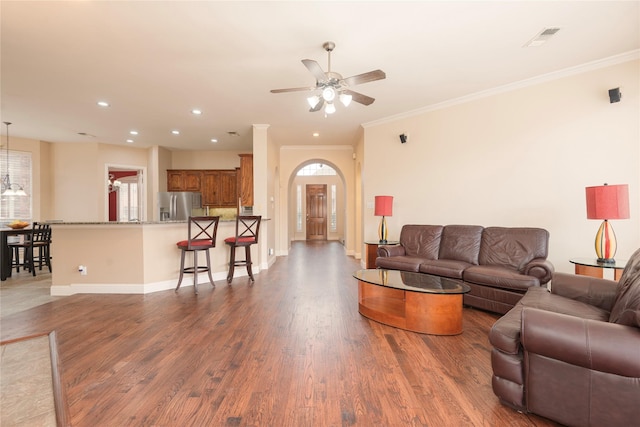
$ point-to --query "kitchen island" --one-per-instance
(132, 257)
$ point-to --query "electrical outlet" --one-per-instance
(83, 270)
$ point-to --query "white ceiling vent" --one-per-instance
(541, 38)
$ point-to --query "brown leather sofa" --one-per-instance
(498, 263)
(572, 354)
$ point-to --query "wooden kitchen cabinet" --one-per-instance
(219, 188)
(175, 180)
(184, 180)
(245, 179)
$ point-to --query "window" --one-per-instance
(316, 169)
(299, 208)
(128, 201)
(16, 207)
(334, 215)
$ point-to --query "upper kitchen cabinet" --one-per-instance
(246, 180)
(184, 180)
(219, 188)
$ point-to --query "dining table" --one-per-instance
(5, 250)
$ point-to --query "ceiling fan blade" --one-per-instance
(359, 98)
(318, 106)
(292, 89)
(315, 69)
(371, 76)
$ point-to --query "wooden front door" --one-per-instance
(316, 212)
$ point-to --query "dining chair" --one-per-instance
(247, 228)
(201, 236)
(35, 248)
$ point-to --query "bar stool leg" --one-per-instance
(247, 250)
(195, 271)
(232, 263)
(181, 270)
(209, 268)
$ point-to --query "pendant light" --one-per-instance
(8, 188)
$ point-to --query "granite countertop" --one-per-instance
(230, 220)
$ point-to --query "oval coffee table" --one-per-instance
(413, 301)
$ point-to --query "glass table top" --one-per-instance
(593, 262)
(409, 281)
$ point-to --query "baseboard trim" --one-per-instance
(143, 288)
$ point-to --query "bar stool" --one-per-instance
(247, 228)
(202, 232)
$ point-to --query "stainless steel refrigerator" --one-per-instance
(176, 206)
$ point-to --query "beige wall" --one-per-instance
(519, 158)
(205, 159)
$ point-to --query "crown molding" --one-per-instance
(566, 72)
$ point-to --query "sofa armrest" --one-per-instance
(590, 290)
(540, 268)
(390, 250)
(592, 344)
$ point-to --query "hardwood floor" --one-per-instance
(289, 350)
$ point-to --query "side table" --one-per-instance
(371, 252)
(591, 267)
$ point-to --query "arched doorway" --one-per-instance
(317, 202)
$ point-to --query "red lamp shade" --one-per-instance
(384, 206)
(607, 202)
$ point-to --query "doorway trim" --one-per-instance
(142, 186)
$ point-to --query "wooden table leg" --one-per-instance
(585, 270)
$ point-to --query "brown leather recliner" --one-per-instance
(573, 354)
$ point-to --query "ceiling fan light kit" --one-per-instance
(330, 85)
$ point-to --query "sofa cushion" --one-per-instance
(505, 333)
(461, 243)
(512, 247)
(499, 277)
(444, 267)
(626, 308)
(422, 241)
(404, 263)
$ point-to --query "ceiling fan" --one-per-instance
(331, 85)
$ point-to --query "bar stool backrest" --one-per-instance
(202, 231)
(247, 229)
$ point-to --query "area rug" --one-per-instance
(30, 386)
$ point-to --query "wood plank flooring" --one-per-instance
(289, 350)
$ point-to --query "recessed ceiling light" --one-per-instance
(130, 141)
(214, 140)
(316, 134)
(175, 132)
(103, 103)
(133, 132)
(196, 111)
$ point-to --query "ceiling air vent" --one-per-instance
(540, 38)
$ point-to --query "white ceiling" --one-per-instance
(155, 61)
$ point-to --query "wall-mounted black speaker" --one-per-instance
(614, 95)
(404, 137)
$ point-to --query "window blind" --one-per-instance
(16, 207)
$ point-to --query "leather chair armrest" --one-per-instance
(592, 344)
(390, 250)
(590, 290)
(540, 268)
